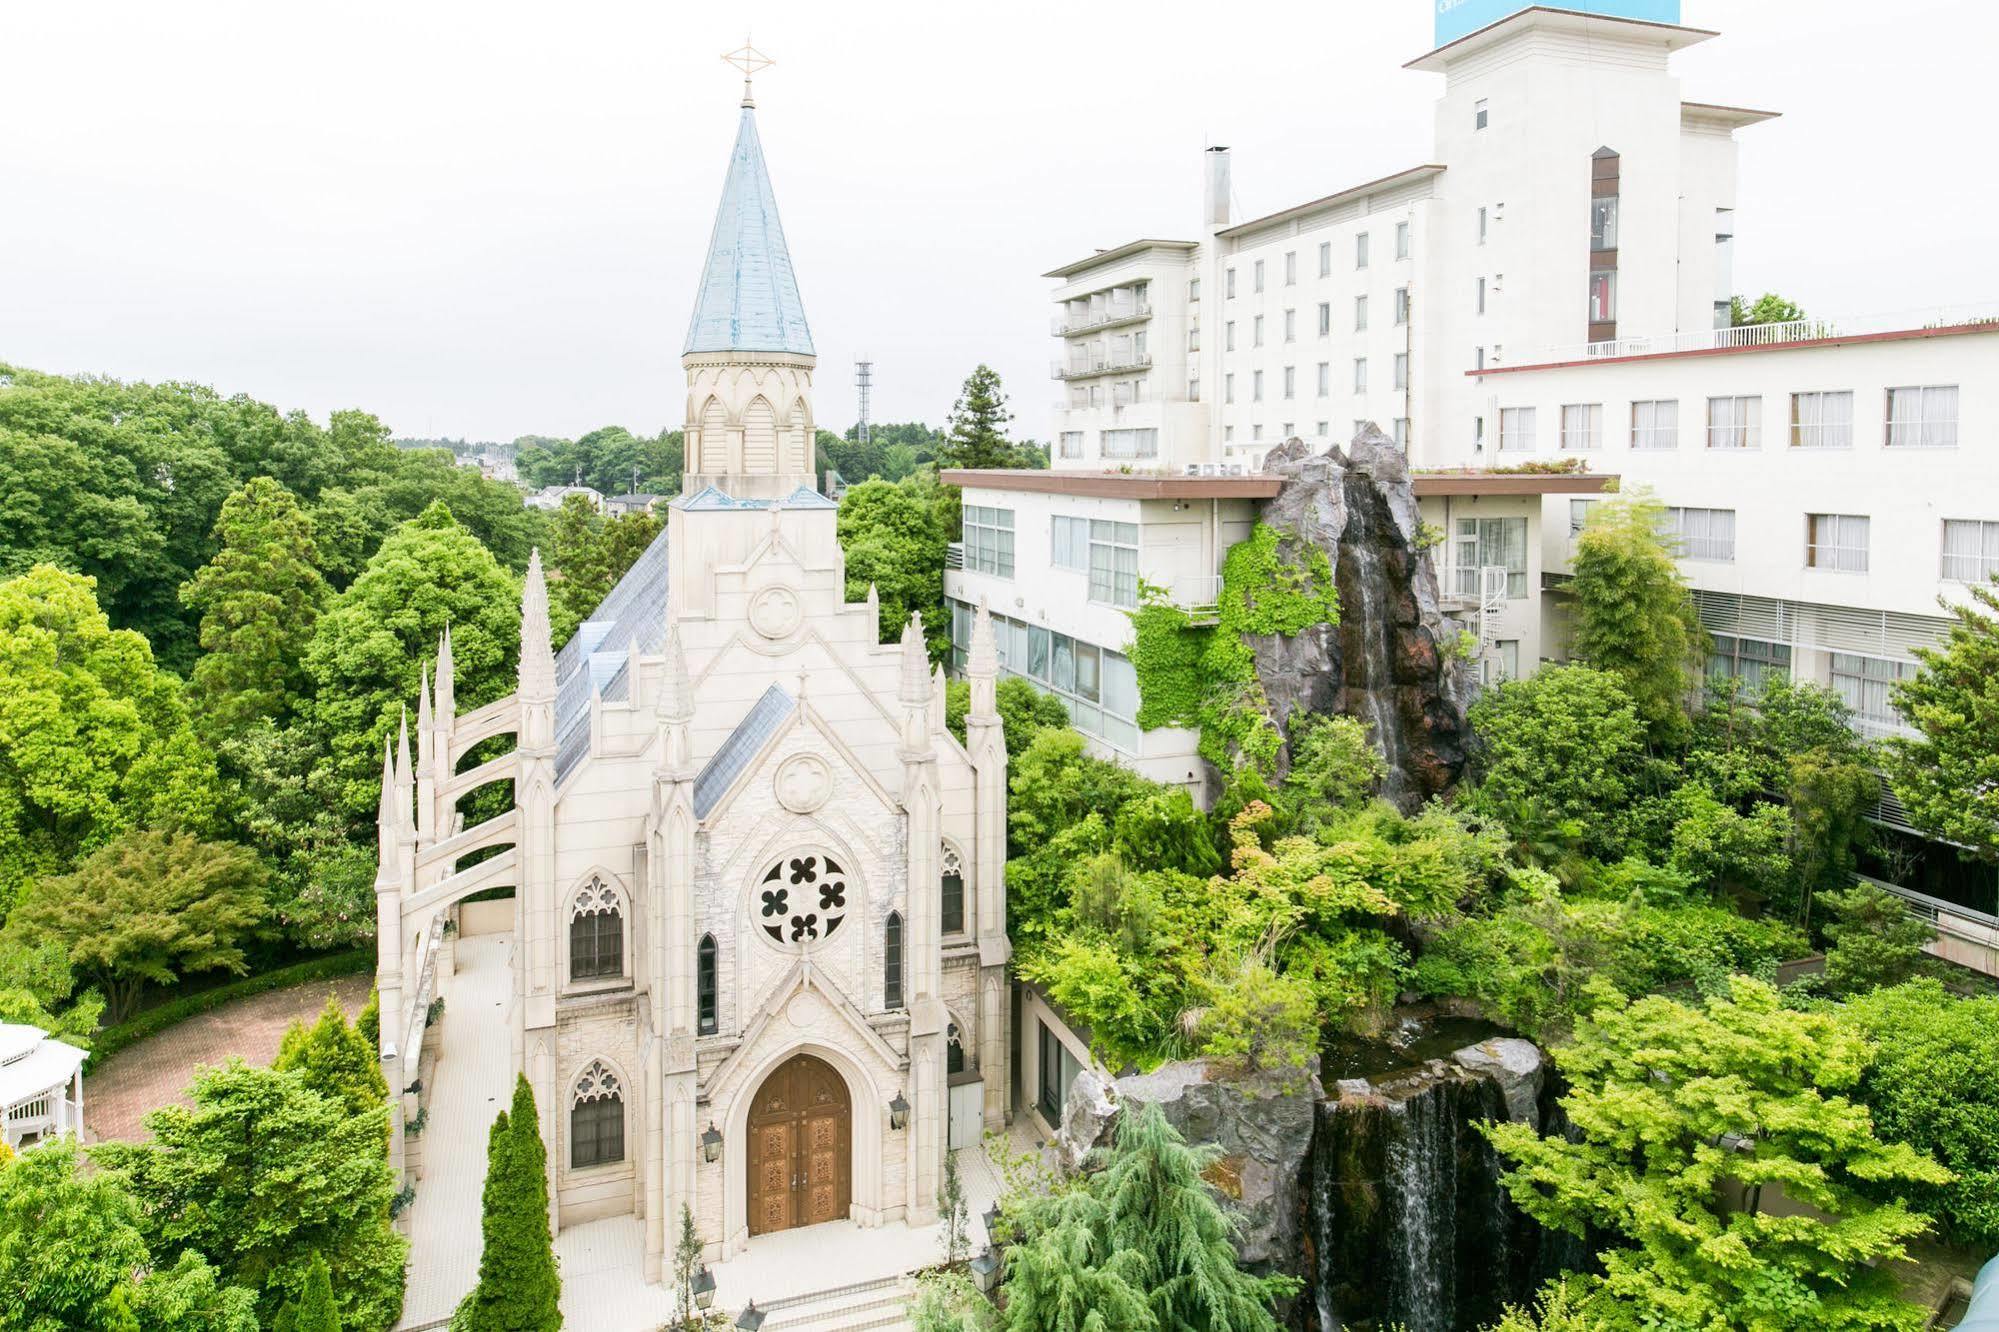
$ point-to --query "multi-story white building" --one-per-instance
(1554, 281)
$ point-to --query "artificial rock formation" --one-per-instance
(1385, 662)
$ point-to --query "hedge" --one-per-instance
(111, 1040)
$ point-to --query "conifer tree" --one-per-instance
(519, 1289)
(337, 1061)
(978, 425)
(686, 1266)
(1947, 774)
(316, 1310)
(1634, 615)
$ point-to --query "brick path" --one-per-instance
(155, 1071)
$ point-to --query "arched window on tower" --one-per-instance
(704, 984)
(951, 889)
(596, 933)
(954, 1052)
(596, 1119)
(892, 961)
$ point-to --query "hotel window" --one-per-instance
(1290, 325)
(1402, 433)
(1228, 284)
(1071, 444)
(1836, 541)
(1360, 374)
(1360, 250)
(1256, 386)
(1402, 305)
(1325, 258)
(1325, 318)
(1070, 547)
(1923, 418)
(1132, 443)
(1822, 420)
(1256, 332)
(1193, 390)
(1867, 684)
(1735, 423)
(1702, 534)
(1058, 1068)
(1486, 542)
(1516, 429)
(1256, 432)
(1360, 314)
(1325, 378)
(1228, 434)
(1256, 276)
(1582, 425)
(1481, 295)
(1290, 381)
(1750, 660)
(1228, 336)
(1970, 550)
(1480, 117)
(1603, 222)
(1655, 424)
(1359, 429)
(1114, 562)
(1401, 371)
(1290, 268)
(1602, 297)
(1288, 429)
(1228, 387)
(1481, 224)
(1324, 428)
(989, 540)
(1478, 358)
(1401, 240)
(1579, 511)
(1193, 289)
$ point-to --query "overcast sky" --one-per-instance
(487, 219)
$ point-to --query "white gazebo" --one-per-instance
(41, 1085)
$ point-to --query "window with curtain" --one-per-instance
(1602, 295)
(1071, 543)
(1492, 541)
(989, 540)
(1836, 541)
(1923, 418)
(1290, 382)
(704, 986)
(1325, 380)
(1256, 386)
(1750, 660)
(1655, 424)
(1114, 562)
(1603, 222)
(596, 1119)
(1579, 515)
(951, 893)
(1516, 429)
(1325, 318)
(1970, 549)
(1360, 374)
(1822, 420)
(1582, 425)
(1702, 534)
(1867, 684)
(596, 934)
(1256, 331)
(892, 961)
(1401, 371)
(1131, 443)
(1256, 270)
(1735, 423)
(1290, 325)
(1402, 305)
(1072, 444)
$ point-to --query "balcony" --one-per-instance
(1199, 595)
(1118, 312)
(1114, 364)
(1764, 335)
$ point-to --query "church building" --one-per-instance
(758, 918)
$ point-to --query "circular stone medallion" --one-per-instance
(775, 612)
(803, 783)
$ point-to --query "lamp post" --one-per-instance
(985, 1270)
(751, 1318)
(704, 1289)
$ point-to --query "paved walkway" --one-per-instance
(470, 1083)
(156, 1071)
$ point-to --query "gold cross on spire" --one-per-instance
(749, 60)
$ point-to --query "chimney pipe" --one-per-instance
(1216, 197)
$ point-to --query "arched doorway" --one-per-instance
(801, 1134)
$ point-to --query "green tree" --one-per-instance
(260, 1174)
(368, 652)
(948, 1302)
(1024, 711)
(1672, 1104)
(519, 1289)
(686, 1267)
(69, 1244)
(336, 1060)
(96, 737)
(1566, 742)
(1874, 940)
(953, 1213)
(287, 804)
(258, 600)
(1334, 766)
(149, 907)
(1728, 852)
(1947, 775)
(1769, 308)
(893, 537)
(1634, 616)
(191, 1296)
(38, 989)
(316, 1309)
(1934, 1084)
(977, 428)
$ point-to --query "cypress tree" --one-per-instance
(316, 1310)
(519, 1289)
(337, 1059)
(978, 425)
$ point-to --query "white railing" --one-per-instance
(1195, 593)
(1764, 335)
(1100, 365)
(1492, 582)
(1065, 324)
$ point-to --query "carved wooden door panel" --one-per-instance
(770, 1177)
(801, 1155)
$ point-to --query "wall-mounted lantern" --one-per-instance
(711, 1144)
(898, 1112)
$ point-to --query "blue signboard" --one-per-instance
(1455, 18)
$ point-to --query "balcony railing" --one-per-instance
(1115, 363)
(1765, 335)
(1124, 312)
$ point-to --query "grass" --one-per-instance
(110, 1040)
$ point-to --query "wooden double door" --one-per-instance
(801, 1157)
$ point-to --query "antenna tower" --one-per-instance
(864, 374)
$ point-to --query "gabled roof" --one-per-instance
(598, 654)
(762, 721)
(748, 299)
(709, 499)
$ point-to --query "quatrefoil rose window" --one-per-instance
(802, 900)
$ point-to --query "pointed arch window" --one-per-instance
(954, 1051)
(596, 933)
(951, 890)
(892, 961)
(704, 985)
(596, 1119)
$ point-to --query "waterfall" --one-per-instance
(1368, 631)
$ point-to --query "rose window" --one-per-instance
(802, 900)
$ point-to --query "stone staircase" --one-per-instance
(866, 1306)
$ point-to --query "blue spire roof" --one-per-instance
(749, 296)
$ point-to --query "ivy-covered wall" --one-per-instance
(1204, 676)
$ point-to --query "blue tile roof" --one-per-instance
(749, 295)
(710, 499)
(597, 654)
(740, 749)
